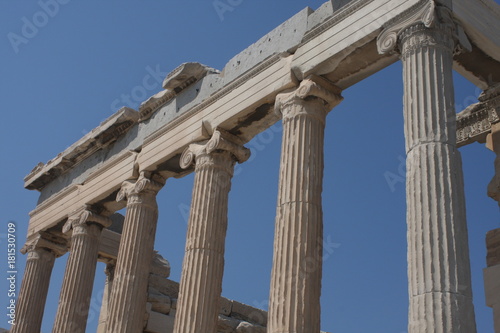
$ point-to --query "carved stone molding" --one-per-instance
(220, 141)
(312, 87)
(387, 41)
(99, 138)
(424, 16)
(127, 298)
(45, 240)
(475, 122)
(147, 183)
(85, 216)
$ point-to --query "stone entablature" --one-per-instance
(98, 139)
(238, 99)
(204, 117)
(474, 123)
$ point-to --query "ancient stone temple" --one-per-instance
(200, 122)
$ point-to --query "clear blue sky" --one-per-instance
(71, 73)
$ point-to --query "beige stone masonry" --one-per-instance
(294, 305)
(85, 227)
(300, 67)
(233, 316)
(42, 251)
(203, 266)
(129, 294)
(438, 256)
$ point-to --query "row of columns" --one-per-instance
(438, 259)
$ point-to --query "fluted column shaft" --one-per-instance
(438, 254)
(294, 305)
(103, 315)
(129, 294)
(203, 266)
(76, 291)
(493, 143)
(35, 285)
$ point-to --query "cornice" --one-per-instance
(99, 138)
(215, 97)
(176, 81)
(475, 122)
(338, 16)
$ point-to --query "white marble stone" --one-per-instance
(203, 265)
(294, 304)
(129, 294)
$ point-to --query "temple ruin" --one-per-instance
(201, 121)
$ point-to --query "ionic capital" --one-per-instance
(148, 184)
(85, 216)
(313, 87)
(110, 270)
(438, 24)
(220, 141)
(44, 241)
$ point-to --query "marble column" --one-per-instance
(203, 266)
(438, 254)
(492, 275)
(492, 272)
(129, 294)
(493, 143)
(42, 251)
(85, 227)
(294, 305)
(103, 315)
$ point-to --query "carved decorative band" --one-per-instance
(43, 255)
(312, 87)
(44, 240)
(436, 21)
(146, 186)
(258, 69)
(417, 37)
(85, 216)
(387, 41)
